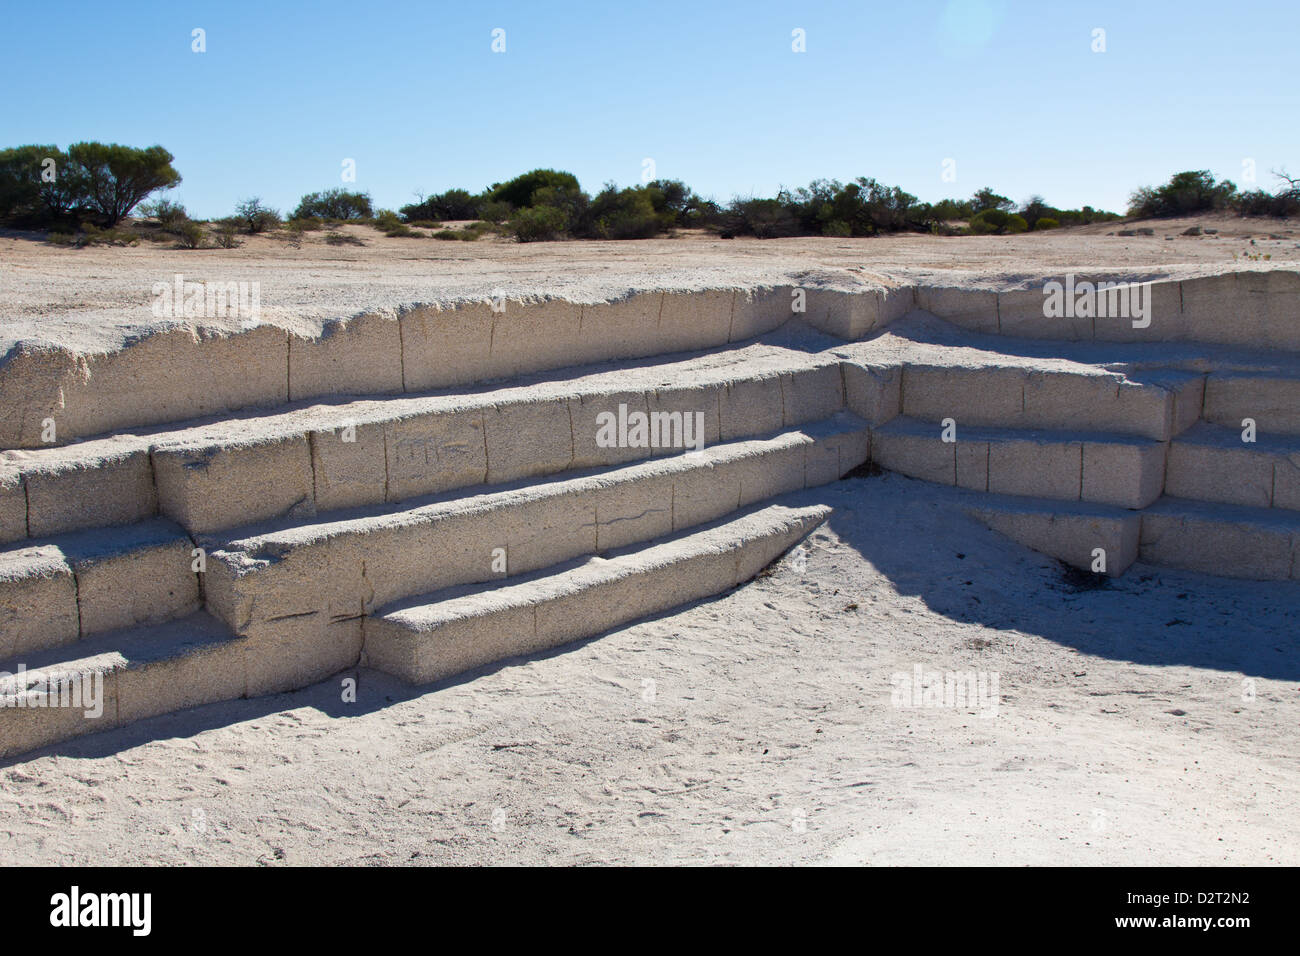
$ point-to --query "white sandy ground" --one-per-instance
(1121, 736)
(92, 299)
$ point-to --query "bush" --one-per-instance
(342, 239)
(303, 225)
(227, 232)
(337, 204)
(169, 214)
(838, 228)
(521, 192)
(387, 222)
(1186, 192)
(990, 221)
(453, 204)
(539, 224)
(255, 217)
(189, 234)
(495, 212)
(625, 214)
(1016, 223)
(987, 200)
(1045, 222)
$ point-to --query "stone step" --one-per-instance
(115, 678)
(299, 591)
(303, 460)
(1118, 470)
(180, 369)
(1270, 399)
(1212, 463)
(1078, 533)
(60, 590)
(1252, 309)
(1005, 394)
(435, 636)
(1232, 541)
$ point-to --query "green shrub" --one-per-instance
(622, 214)
(342, 239)
(169, 214)
(1016, 223)
(521, 192)
(303, 225)
(539, 224)
(496, 212)
(336, 204)
(838, 228)
(1046, 222)
(989, 221)
(1186, 192)
(227, 231)
(189, 234)
(255, 217)
(454, 204)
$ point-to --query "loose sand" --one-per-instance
(1121, 734)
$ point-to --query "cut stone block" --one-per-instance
(1219, 539)
(38, 601)
(142, 574)
(1041, 468)
(358, 356)
(695, 320)
(13, 505)
(88, 491)
(972, 309)
(873, 392)
(915, 451)
(758, 311)
(812, 395)
(225, 485)
(1124, 474)
(349, 466)
(751, 406)
(449, 346)
(1272, 402)
(528, 438)
(1071, 534)
(432, 453)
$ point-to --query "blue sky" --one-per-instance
(711, 91)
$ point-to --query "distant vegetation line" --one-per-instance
(83, 194)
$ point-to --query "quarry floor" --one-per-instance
(1151, 720)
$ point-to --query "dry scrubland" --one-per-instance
(753, 728)
(90, 297)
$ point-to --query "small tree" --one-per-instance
(335, 203)
(256, 217)
(115, 179)
(38, 187)
(986, 198)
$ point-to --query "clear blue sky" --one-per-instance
(711, 91)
